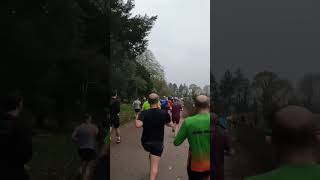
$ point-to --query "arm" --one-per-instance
(182, 134)
(168, 120)
(139, 120)
(74, 135)
(170, 124)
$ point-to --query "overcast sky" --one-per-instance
(180, 38)
(276, 35)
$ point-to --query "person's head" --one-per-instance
(87, 118)
(293, 131)
(12, 102)
(137, 98)
(153, 100)
(202, 103)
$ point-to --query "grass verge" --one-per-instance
(55, 157)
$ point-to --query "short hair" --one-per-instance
(114, 93)
(201, 105)
(289, 137)
(153, 100)
(11, 102)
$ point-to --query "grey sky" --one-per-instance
(180, 39)
(277, 35)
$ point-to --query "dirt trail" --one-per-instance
(129, 161)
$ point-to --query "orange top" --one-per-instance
(170, 104)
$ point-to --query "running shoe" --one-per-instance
(118, 140)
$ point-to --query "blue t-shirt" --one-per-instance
(164, 103)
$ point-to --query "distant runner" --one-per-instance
(197, 130)
(114, 117)
(153, 121)
(85, 135)
(176, 111)
(164, 104)
(137, 106)
(220, 146)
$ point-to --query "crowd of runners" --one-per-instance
(294, 136)
(153, 114)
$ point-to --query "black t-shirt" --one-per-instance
(154, 121)
(115, 106)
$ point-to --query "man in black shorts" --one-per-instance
(153, 122)
(114, 116)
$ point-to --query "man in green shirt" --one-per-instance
(294, 139)
(197, 130)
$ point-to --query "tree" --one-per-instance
(148, 60)
(214, 88)
(226, 88)
(206, 90)
(306, 87)
(270, 91)
(241, 91)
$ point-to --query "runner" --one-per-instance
(137, 106)
(115, 120)
(170, 103)
(153, 121)
(85, 135)
(15, 138)
(221, 146)
(176, 111)
(146, 106)
(197, 130)
(164, 104)
(294, 139)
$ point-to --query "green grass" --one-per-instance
(126, 113)
(55, 157)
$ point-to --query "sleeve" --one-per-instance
(182, 134)
(141, 116)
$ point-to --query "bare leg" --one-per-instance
(118, 135)
(110, 133)
(83, 168)
(154, 167)
(89, 170)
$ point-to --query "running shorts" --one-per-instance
(115, 121)
(198, 175)
(137, 110)
(155, 149)
(87, 154)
